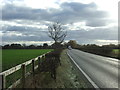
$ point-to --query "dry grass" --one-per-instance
(67, 77)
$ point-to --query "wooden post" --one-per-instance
(3, 82)
(39, 63)
(23, 75)
(33, 66)
(43, 58)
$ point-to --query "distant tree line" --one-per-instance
(72, 43)
(104, 50)
(24, 46)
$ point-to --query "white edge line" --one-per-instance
(89, 79)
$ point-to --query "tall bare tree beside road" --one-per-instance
(56, 32)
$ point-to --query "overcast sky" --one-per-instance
(86, 21)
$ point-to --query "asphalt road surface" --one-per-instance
(103, 71)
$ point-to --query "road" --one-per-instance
(103, 71)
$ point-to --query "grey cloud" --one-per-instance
(81, 36)
(69, 13)
(15, 28)
(10, 12)
(30, 36)
(29, 31)
(96, 23)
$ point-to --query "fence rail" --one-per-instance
(18, 67)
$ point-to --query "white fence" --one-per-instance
(23, 75)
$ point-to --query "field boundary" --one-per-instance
(18, 67)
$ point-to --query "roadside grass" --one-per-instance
(67, 77)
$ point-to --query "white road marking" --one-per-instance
(89, 79)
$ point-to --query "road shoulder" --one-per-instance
(67, 76)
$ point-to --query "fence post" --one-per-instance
(43, 57)
(3, 82)
(33, 66)
(23, 75)
(39, 63)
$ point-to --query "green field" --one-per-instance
(13, 57)
(116, 51)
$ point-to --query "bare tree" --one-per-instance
(56, 32)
